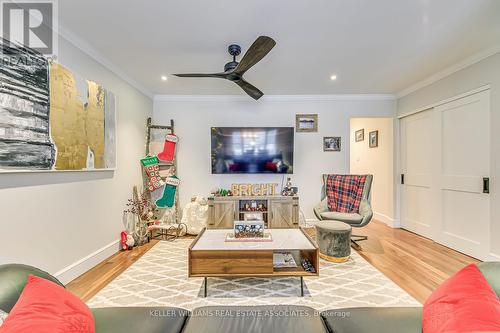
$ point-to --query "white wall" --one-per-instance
(194, 116)
(484, 72)
(378, 161)
(54, 220)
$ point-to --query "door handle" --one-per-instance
(402, 179)
(486, 185)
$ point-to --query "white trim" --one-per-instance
(397, 173)
(494, 257)
(79, 267)
(450, 70)
(97, 56)
(54, 170)
(384, 218)
(277, 98)
(444, 101)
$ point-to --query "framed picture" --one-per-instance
(331, 143)
(306, 123)
(359, 135)
(373, 139)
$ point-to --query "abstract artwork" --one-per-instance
(24, 110)
(50, 119)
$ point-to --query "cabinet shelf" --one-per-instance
(254, 211)
(291, 271)
(278, 212)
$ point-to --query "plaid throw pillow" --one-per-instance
(344, 192)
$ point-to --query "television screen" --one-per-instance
(252, 150)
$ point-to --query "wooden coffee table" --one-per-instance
(211, 256)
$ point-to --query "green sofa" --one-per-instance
(107, 320)
(252, 319)
(394, 320)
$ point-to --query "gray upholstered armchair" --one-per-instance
(356, 220)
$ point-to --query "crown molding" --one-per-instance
(445, 101)
(450, 70)
(274, 98)
(84, 46)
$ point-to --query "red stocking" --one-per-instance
(168, 152)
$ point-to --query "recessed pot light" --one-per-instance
(333, 77)
(164, 78)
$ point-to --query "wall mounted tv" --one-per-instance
(252, 150)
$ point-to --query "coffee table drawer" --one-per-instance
(230, 263)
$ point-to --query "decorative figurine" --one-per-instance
(288, 189)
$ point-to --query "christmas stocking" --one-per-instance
(152, 171)
(168, 198)
(168, 152)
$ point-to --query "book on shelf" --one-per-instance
(283, 260)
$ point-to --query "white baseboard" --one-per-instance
(379, 217)
(493, 257)
(79, 267)
(385, 219)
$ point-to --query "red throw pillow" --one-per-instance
(45, 307)
(463, 303)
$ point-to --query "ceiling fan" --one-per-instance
(233, 70)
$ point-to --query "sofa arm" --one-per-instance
(321, 208)
(365, 210)
(387, 320)
(13, 277)
(491, 271)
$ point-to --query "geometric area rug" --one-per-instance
(159, 278)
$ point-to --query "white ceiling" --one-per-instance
(374, 46)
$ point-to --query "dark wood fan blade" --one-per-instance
(217, 75)
(250, 89)
(255, 53)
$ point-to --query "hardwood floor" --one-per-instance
(416, 264)
(88, 284)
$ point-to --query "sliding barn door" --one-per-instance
(445, 159)
(416, 162)
(464, 174)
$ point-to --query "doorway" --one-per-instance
(372, 152)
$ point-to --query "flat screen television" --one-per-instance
(252, 150)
